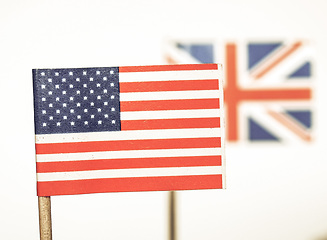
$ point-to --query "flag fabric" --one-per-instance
(120, 129)
(268, 86)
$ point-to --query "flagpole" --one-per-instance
(172, 215)
(45, 218)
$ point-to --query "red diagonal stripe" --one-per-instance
(295, 128)
(273, 64)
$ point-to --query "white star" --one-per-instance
(72, 123)
(43, 99)
(98, 97)
(85, 85)
(42, 74)
(78, 92)
(57, 99)
(86, 122)
(57, 86)
(99, 109)
(58, 123)
(79, 116)
(112, 84)
(78, 104)
(84, 72)
(91, 91)
(105, 90)
(99, 122)
(112, 96)
(43, 86)
(64, 105)
(50, 118)
(105, 78)
(98, 84)
(113, 121)
(63, 80)
(111, 72)
(77, 79)
(71, 85)
(105, 103)
(92, 116)
(71, 73)
(106, 115)
(85, 110)
(57, 111)
(71, 98)
(113, 109)
(50, 105)
(63, 92)
(49, 80)
(85, 98)
(91, 79)
(98, 72)
(92, 103)
(44, 112)
(50, 92)
(44, 124)
(56, 73)
(64, 117)
(71, 110)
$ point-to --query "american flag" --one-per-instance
(268, 86)
(119, 129)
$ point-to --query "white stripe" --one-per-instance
(171, 114)
(126, 173)
(128, 135)
(168, 75)
(129, 154)
(169, 95)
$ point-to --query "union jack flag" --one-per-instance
(268, 86)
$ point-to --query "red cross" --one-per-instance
(235, 95)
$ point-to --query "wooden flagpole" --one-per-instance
(45, 218)
(172, 215)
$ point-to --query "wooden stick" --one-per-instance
(172, 216)
(45, 218)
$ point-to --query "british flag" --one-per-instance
(268, 86)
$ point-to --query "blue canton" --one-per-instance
(76, 100)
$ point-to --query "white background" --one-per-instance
(273, 191)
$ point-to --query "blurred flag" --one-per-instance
(117, 129)
(268, 86)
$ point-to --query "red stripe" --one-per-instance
(129, 185)
(102, 164)
(275, 94)
(121, 145)
(170, 123)
(169, 105)
(231, 92)
(177, 67)
(157, 86)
